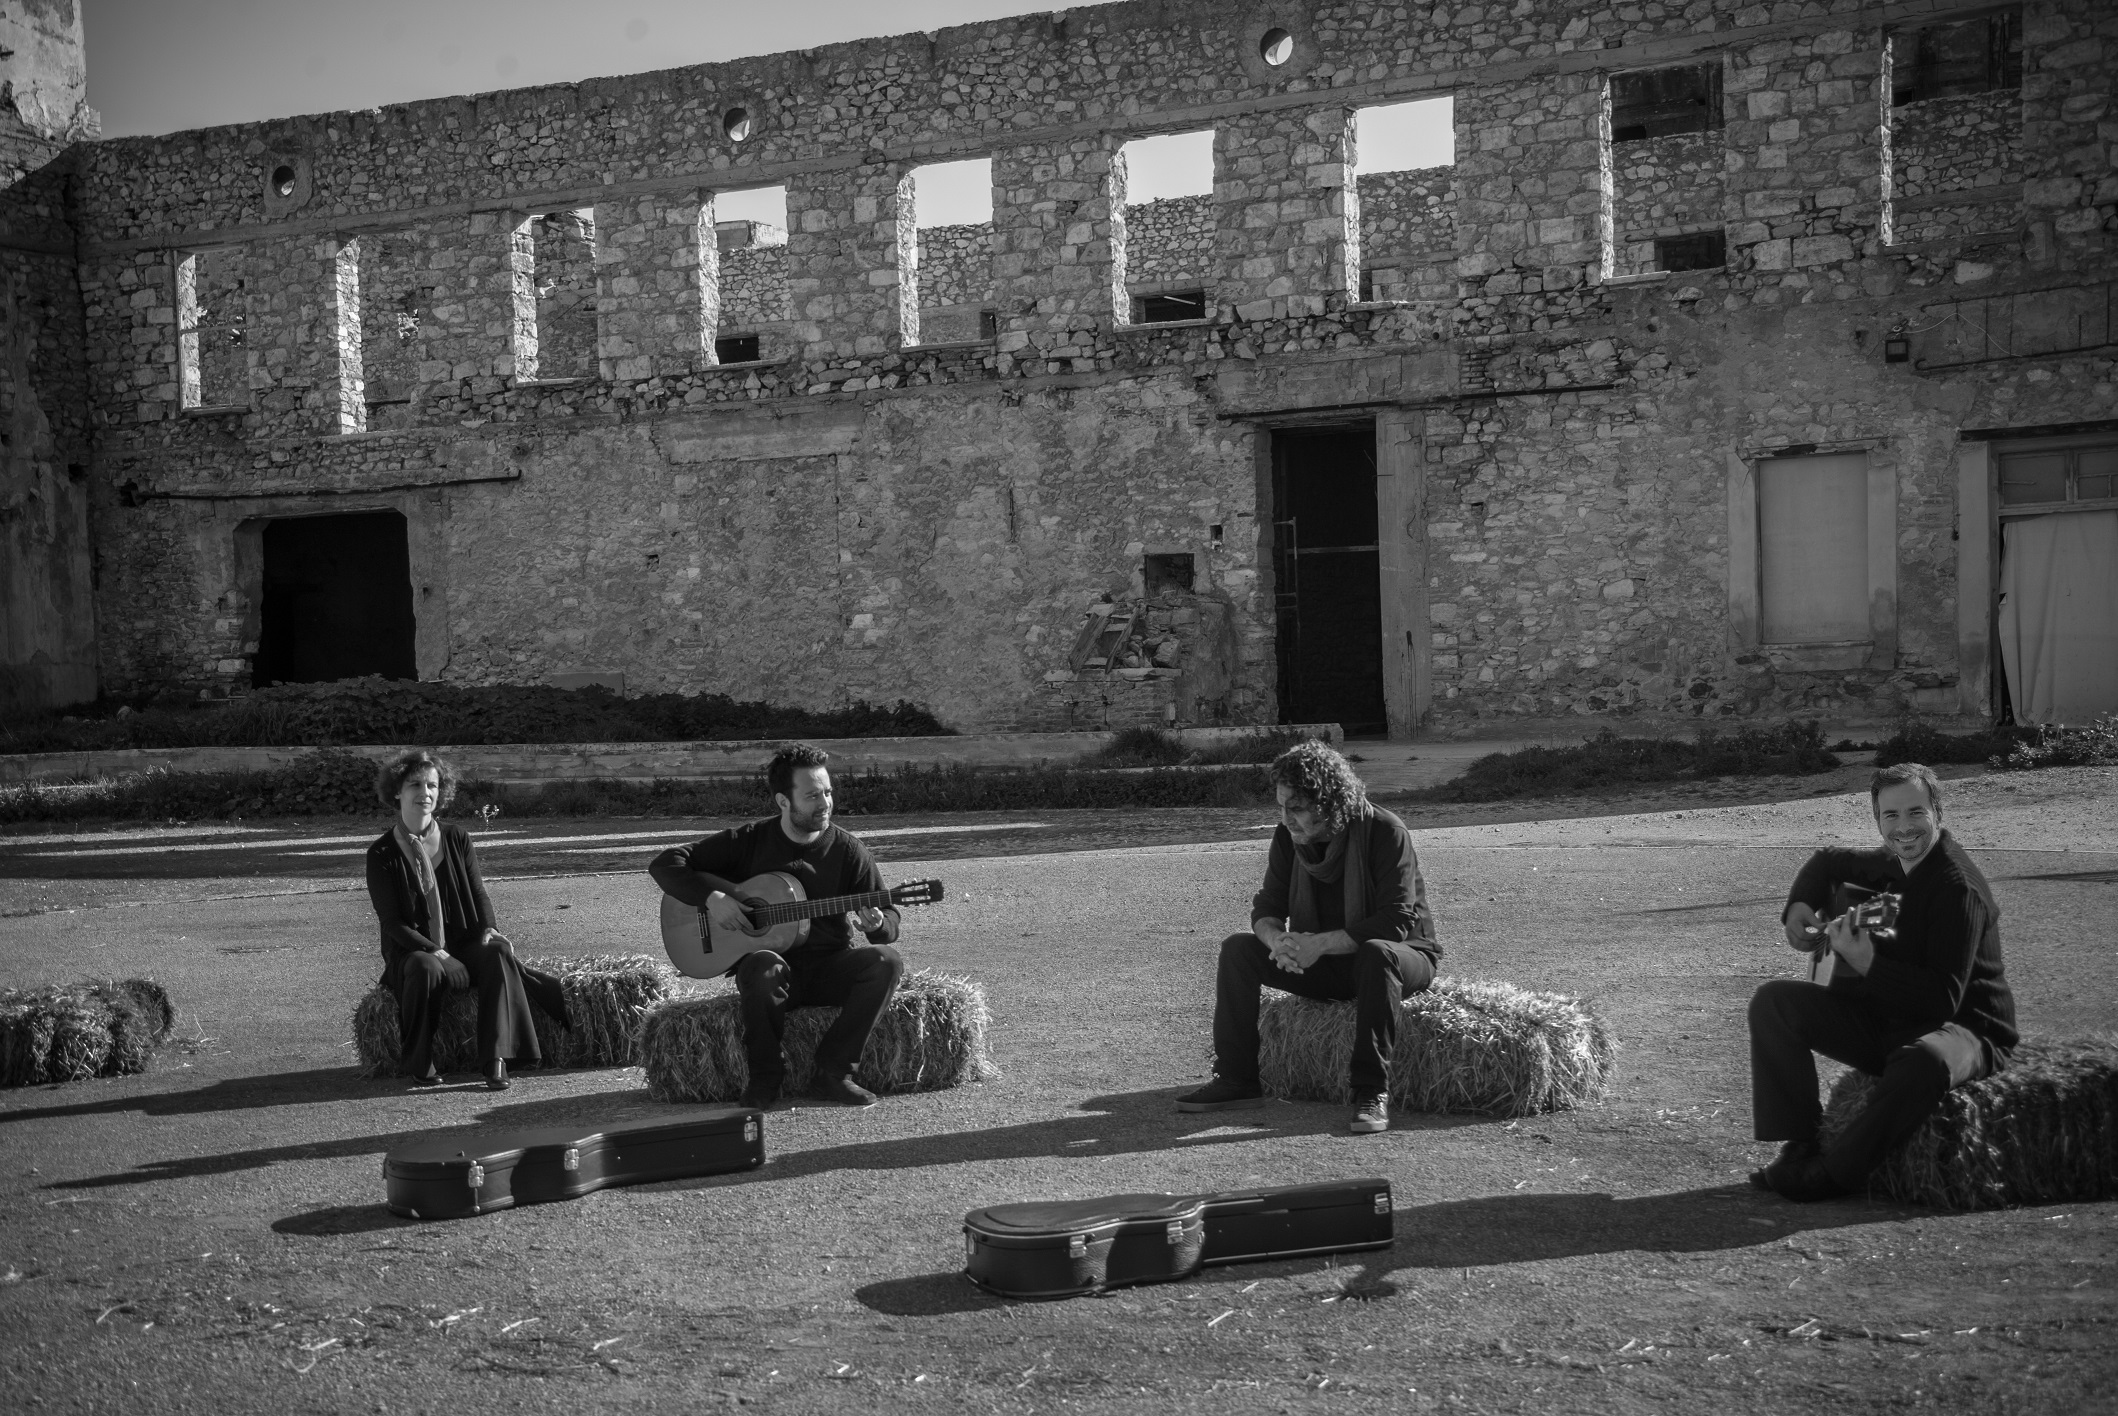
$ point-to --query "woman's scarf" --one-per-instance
(416, 850)
(1345, 860)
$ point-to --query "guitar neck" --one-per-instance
(765, 916)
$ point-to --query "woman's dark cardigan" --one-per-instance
(401, 908)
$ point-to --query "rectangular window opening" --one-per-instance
(1404, 155)
(555, 295)
(945, 252)
(1170, 307)
(1694, 250)
(1168, 572)
(1977, 55)
(1169, 223)
(1660, 103)
(737, 349)
(2056, 474)
(750, 244)
(212, 354)
(1813, 549)
(396, 305)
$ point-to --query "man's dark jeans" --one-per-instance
(1376, 977)
(857, 981)
(1791, 1020)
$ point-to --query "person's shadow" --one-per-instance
(1476, 1233)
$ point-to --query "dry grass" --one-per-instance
(2043, 1131)
(932, 1036)
(1462, 1045)
(73, 1031)
(606, 995)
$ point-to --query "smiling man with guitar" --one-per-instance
(740, 880)
(1920, 1000)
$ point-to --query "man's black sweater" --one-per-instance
(1944, 966)
(835, 863)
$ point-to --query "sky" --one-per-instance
(161, 66)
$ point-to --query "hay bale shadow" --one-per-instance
(2043, 1130)
(1462, 1045)
(931, 1037)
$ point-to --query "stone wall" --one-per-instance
(47, 628)
(1968, 147)
(1664, 187)
(1169, 243)
(874, 512)
(1408, 233)
(955, 282)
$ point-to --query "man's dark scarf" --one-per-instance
(1343, 860)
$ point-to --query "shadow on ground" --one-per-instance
(1478, 1233)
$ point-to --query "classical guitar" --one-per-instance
(1876, 913)
(779, 920)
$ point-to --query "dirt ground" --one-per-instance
(210, 1236)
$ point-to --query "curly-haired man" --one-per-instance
(1342, 915)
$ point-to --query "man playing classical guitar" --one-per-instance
(827, 969)
(1343, 915)
(1927, 1010)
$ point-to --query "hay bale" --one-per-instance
(930, 1037)
(606, 994)
(1462, 1045)
(2042, 1131)
(73, 1031)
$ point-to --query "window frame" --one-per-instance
(2071, 447)
(1746, 562)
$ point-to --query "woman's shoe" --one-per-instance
(496, 1076)
(428, 1078)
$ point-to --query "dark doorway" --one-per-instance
(1327, 576)
(338, 600)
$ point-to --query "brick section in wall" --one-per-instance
(843, 262)
(2070, 162)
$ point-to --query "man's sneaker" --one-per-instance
(1373, 1116)
(761, 1093)
(842, 1091)
(1222, 1094)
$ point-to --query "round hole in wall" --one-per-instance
(283, 181)
(1277, 47)
(736, 124)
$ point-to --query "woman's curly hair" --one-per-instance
(389, 781)
(1317, 776)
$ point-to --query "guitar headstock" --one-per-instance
(916, 892)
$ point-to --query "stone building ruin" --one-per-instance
(1749, 358)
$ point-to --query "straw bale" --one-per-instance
(2044, 1130)
(1462, 1045)
(932, 1036)
(73, 1031)
(606, 995)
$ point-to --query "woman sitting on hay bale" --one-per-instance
(1342, 915)
(438, 932)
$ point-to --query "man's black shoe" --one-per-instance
(1786, 1165)
(1810, 1182)
(761, 1093)
(842, 1091)
(1222, 1094)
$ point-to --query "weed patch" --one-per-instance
(2011, 748)
(1607, 762)
(367, 711)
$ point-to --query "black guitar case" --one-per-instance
(1063, 1248)
(454, 1175)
